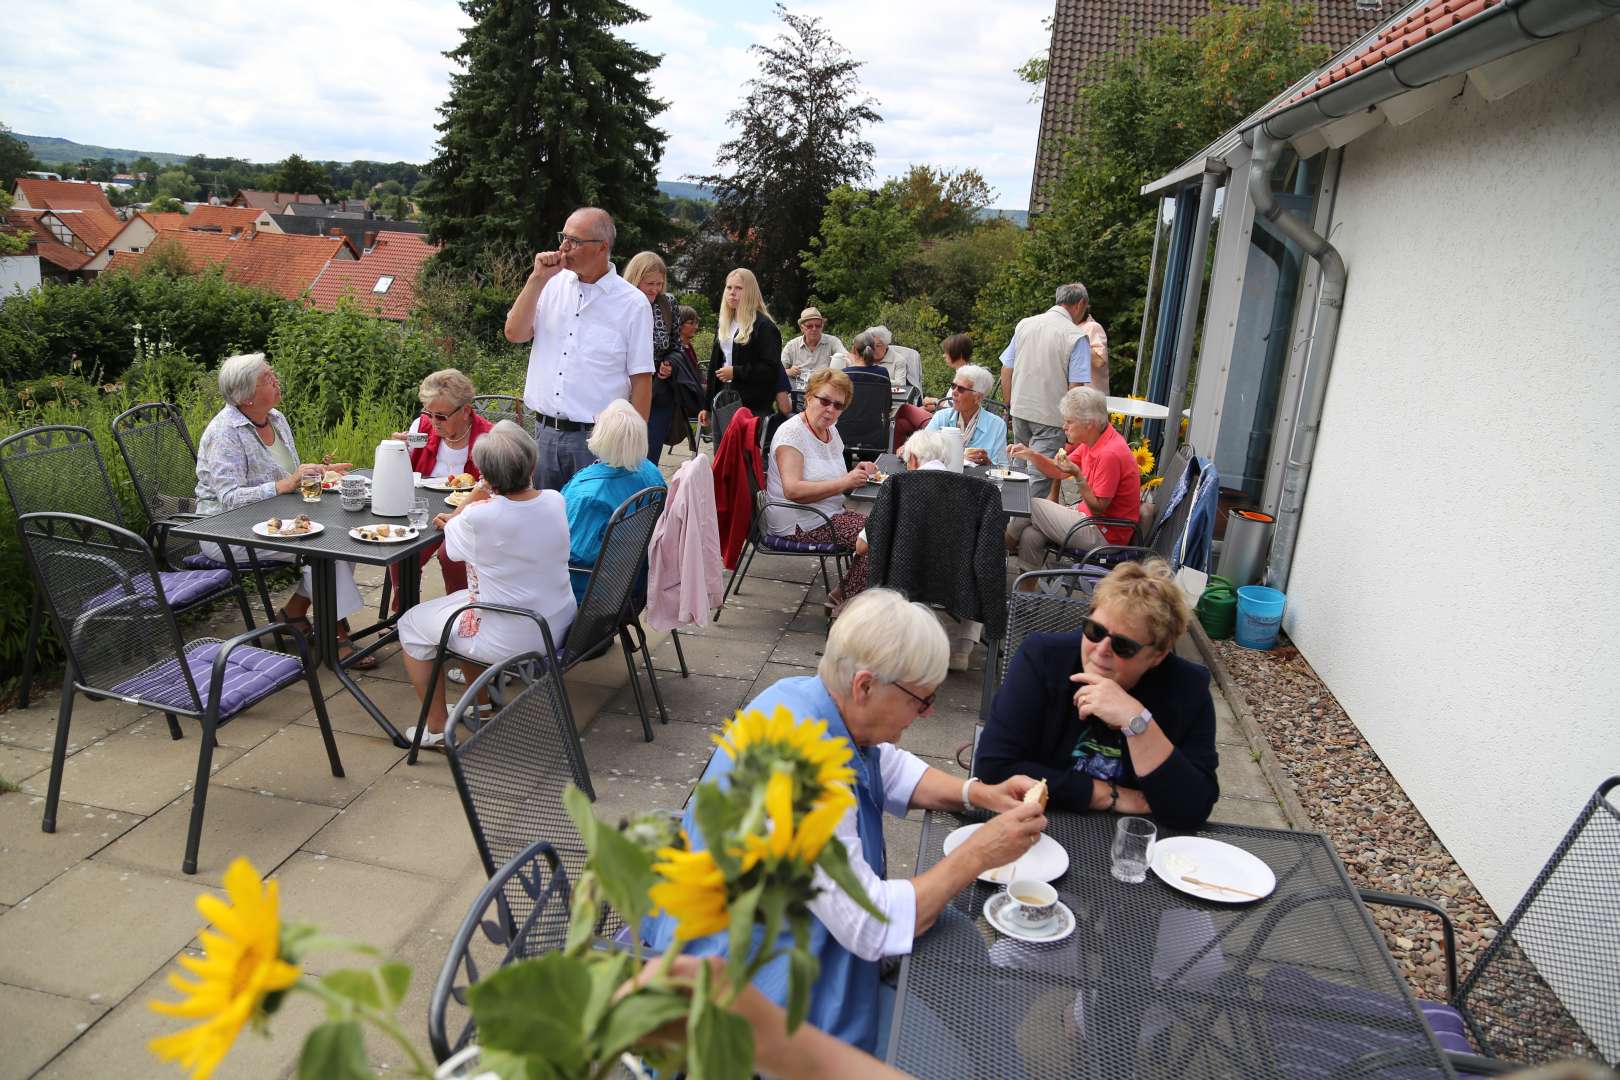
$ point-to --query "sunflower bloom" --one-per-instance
(806, 741)
(241, 964)
(1144, 459)
(803, 844)
(693, 892)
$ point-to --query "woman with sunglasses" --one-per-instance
(1108, 715)
(451, 425)
(984, 434)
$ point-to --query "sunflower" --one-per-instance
(1144, 459)
(1153, 483)
(803, 844)
(756, 741)
(693, 892)
(241, 964)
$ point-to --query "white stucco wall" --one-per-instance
(18, 273)
(1457, 582)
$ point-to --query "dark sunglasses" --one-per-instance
(835, 406)
(963, 389)
(1123, 647)
(443, 418)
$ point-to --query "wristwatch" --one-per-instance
(1138, 723)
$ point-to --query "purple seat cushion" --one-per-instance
(181, 588)
(800, 547)
(250, 674)
(1319, 1027)
(1447, 1024)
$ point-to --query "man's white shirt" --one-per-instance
(589, 338)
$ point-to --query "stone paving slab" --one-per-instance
(37, 1027)
(735, 659)
(745, 623)
(701, 698)
(292, 764)
(30, 859)
(761, 592)
(799, 649)
(1233, 810)
(402, 822)
(20, 765)
(373, 904)
(97, 932)
(35, 726)
(140, 769)
(264, 829)
(658, 774)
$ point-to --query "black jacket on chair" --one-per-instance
(757, 371)
(937, 537)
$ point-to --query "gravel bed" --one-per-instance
(1349, 794)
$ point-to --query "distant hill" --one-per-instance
(677, 189)
(53, 150)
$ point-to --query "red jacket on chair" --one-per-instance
(738, 450)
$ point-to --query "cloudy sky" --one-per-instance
(364, 79)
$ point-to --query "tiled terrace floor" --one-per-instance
(93, 916)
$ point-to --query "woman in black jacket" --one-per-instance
(1108, 715)
(747, 352)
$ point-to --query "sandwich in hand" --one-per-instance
(1038, 795)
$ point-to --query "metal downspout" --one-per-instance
(1147, 302)
(1192, 295)
(1318, 366)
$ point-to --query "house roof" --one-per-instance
(27, 223)
(396, 255)
(1086, 32)
(165, 220)
(224, 218)
(1417, 25)
(83, 208)
(350, 208)
(273, 201)
(328, 225)
(284, 265)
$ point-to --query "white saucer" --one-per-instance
(1046, 861)
(1060, 926)
(1006, 474)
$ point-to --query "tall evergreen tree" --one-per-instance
(799, 138)
(550, 111)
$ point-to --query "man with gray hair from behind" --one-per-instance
(1050, 353)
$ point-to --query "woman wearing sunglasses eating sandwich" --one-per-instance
(1108, 715)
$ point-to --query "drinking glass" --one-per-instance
(309, 486)
(1132, 850)
(417, 515)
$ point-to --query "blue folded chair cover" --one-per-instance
(250, 675)
(1366, 1022)
(788, 543)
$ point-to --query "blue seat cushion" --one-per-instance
(1321, 1027)
(250, 675)
(788, 545)
(181, 588)
(1447, 1024)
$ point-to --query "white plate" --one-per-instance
(450, 500)
(437, 483)
(1007, 474)
(1179, 857)
(262, 528)
(1046, 861)
(410, 534)
(1060, 927)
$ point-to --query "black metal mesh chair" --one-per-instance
(58, 469)
(1000, 409)
(867, 425)
(511, 769)
(106, 598)
(498, 407)
(1546, 988)
(492, 935)
(162, 462)
(726, 404)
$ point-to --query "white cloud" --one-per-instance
(365, 79)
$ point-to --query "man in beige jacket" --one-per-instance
(1061, 348)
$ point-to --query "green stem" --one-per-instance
(382, 1021)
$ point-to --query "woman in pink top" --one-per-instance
(1110, 483)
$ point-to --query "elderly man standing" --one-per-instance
(592, 334)
(812, 350)
(1050, 353)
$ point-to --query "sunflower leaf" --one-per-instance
(742, 932)
(717, 816)
(623, 868)
(336, 1050)
(719, 1043)
(535, 1007)
(608, 973)
(803, 969)
(637, 1015)
(510, 1066)
(834, 859)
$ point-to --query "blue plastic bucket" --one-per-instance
(1259, 614)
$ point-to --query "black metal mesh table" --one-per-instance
(323, 552)
(1156, 983)
(1014, 493)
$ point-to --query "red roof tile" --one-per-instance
(224, 218)
(1418, 25)
(64, 195)
(395, 254)
(41, 242)
(273, 201)
(285, 265)
(164, 220)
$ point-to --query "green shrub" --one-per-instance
(708, 315)
(917, 325)
(330, 361)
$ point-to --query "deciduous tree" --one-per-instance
(295, 175)
(550, 110)
(15, 158)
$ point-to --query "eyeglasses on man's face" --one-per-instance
(566, 241)
(831, 403)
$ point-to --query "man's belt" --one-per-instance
(560, 424)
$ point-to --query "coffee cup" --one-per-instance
(416, 439)
(1031, 904)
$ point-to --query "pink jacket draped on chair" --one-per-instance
(684, 568)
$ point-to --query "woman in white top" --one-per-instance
(514, 540)
(807, 467)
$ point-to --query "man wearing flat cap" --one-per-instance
(811, 350)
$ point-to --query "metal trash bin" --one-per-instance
(1244, 550)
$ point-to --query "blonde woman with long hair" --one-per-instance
(747, 351)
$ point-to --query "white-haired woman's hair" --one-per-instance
(881, 335)
(882, 632)
(450, 384)
(239, 375)
(506, 457)
(1084, 405)
(926, 445)
(981, 377)
(620, 436)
